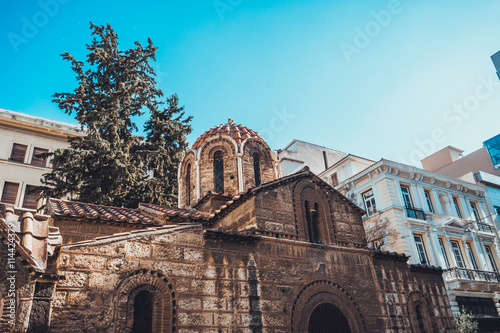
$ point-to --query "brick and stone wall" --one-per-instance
(206, 163)
(208, 284)
(280, 211)
(267, 173)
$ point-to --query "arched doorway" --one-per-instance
(326, 317)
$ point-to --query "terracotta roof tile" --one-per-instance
(68, 208)
(237, 132)
(188, 214)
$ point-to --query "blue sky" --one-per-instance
(380, 79)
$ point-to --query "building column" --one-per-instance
(453, 262)
(419, 197)
(436, 249)
(240, 174)
(480, 253)
(198, 184)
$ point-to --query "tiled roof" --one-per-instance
(68, 208)
(172, 212)
(237, 132)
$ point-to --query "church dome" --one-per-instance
(225, 160)
(237, 132)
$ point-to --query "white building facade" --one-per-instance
(298, 154)
(23, 137)
(436, 220)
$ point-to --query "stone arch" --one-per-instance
(250, 147)
(164, 312)
(419, 312)
(187, 161)
(324, 292)
(206, 165)
(308, 194)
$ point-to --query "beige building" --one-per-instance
(23, 137)
(481, 167)
(434, 219)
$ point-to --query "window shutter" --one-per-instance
(31, 196)
(18, 152)
(9, 193)
(39, 161)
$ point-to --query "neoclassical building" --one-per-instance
(245, 251)
(435, 220)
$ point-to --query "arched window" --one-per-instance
(188, 185)
(420, 319)
(327, 317)
(143, 312)
(218, 172)
(256, 168)
(312, 217)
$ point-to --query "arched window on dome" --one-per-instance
(188, 184)
(218, 172)
(256, 168)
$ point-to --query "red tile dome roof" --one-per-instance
(237, 132)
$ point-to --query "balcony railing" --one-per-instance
(471, 275)
(483, 227)
(415, 213)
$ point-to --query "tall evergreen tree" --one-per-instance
(111, 165)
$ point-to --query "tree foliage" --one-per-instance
(112, 165)
(466, 323)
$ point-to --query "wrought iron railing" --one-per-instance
(415, 213)
(483, 227)
(470, 275)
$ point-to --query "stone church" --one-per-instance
(244, 251)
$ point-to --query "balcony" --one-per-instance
(483, 227)
(457, 273)
(415, 213)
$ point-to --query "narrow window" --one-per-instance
(489, 254)
(312, 222)
(475, 212)
(335, 179)
(218, 172)
(256, 168)
(39, 161)
(422, 255)
(470, 253)
(429, 201)
(407, 197)
(369, 200)
(31, 195)
(325, 158)
(443, 251)
(18, 152)
(457, 207)
(420, 319)
(188, 185)
(143, 312)
(457, 254)
(9, 193)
